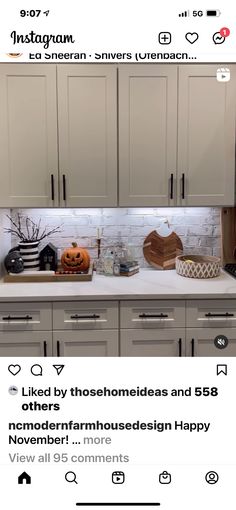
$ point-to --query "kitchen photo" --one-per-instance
(117, 210)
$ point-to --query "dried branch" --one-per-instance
(32, 229)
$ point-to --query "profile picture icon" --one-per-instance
(14, 55)
(13, 390)
(212, 477)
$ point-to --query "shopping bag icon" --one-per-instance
(165, 477)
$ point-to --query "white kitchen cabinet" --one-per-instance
(149, 314)
(28, 135)
(176, 136)
(59, 135)
(86, 343)
(168, 342)
(25, 329)
(147, 134)
(25, 317)
(209, 313)
(87, 122)
(206, 137)
(25, 343)
(86, 328)
(211, 342)
(82, 315)
(86, 100)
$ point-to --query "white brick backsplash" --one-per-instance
(5, 238)
(199, 228)
(217, 251)
(217, 230)
(202, 230)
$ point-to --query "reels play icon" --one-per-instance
(118, 477)
(223, 74)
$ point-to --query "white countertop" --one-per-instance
(147, 284)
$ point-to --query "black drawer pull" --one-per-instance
(52, 187)
(22, 318)
(45, 349)
(153, 315)
(64, 186)
(78, 317)
(58, 349)
(180, 347)
(192, 348)
(171, 186)
(183, 186)
(226, 314)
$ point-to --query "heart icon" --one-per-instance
(14, 369)
(191, 37)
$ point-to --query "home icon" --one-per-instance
(24, 477)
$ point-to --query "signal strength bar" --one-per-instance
(184, 14)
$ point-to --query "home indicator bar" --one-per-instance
(118, 504)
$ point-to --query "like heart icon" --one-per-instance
(14, 369)
(191, 37)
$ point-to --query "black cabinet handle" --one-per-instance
(22, 318)
(183, 186)
(52, 187)
(153, 315)
(78, 317)
(64, 186)
(226, 314)
(192, 348)
(180, 347)
(58, 349)
(45, 349)
(171, 186)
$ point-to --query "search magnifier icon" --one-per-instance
(70, 477)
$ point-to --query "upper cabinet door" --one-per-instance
(206, 137)
(87, 116)
(28, 135)
(147, 134)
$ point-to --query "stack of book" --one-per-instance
(129, 268)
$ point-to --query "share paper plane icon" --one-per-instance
(58, 368)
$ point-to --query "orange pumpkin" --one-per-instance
(75, 259)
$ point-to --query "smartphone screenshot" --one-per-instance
(118, 255)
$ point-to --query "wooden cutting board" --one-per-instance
(160, 252)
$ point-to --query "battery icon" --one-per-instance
(213, 13)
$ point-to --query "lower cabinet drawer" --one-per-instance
(152, 343)
(86, 343)
(76, 315)
(211, 342)
(25, 316)
(211, 313)
(152, 314)
(24, 343)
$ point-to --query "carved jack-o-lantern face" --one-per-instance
(75, 259)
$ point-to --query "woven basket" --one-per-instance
(195, 266)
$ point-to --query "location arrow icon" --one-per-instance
(58, 368)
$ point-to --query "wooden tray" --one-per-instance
(48, 276)
(160, 251)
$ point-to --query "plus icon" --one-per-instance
(164, 38)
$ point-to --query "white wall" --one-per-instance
(198, 228)
(5, 239)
